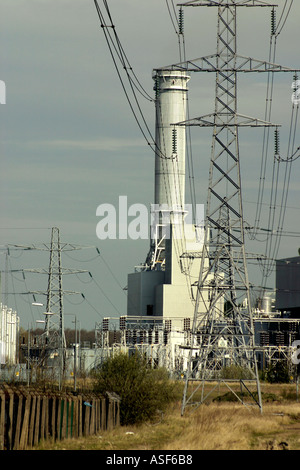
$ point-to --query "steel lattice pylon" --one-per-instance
(53, 338)
(54, 323)
(223, 330)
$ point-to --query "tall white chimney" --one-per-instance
(171, 103)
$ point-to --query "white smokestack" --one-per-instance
(171, 104)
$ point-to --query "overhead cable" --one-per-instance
(115, 48)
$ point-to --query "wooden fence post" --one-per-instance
(103, 414)
(59, 418)
(31, 421)
(92, 417)
(26, 417)
(2, 420)
(10, 422)
(75, 417)
(80, 425)
(45, 418)
(24, 433)
(69, 417)
(98, 414)
(109, 405)
(37, 421)
(63, 417)
(53, 419)
(19, 422)
(86, 429)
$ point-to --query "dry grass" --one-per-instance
(228, 426)
(222, 426)
(213, 426)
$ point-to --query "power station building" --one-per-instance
(9, 329)
(165, 285)
(288, 286)
(161, 292)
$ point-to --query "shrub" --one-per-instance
(277, 373)
(235, 372)
(142, 390)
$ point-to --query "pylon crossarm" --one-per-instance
(242, 64)
(226, 3)
(226, 120)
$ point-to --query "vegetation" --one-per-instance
(277, 373)
(225, 424)
(144, 391)
(235, 372)
(219, 426)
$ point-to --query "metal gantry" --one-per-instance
(155, 338)
(223, 329)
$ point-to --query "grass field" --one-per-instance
(221, 425)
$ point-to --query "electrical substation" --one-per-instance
(189, 303)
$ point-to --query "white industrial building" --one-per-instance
(165, 285)
(162, 290)
(9, 330)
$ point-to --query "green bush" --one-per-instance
(277, 373)
(235, 372)
(143, 390)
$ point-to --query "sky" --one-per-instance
(69, 141)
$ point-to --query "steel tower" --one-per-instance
(52, 342)
(54, 322)
(223, 331)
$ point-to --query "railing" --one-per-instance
(28, 416)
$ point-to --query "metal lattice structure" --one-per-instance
(54, 335)
(223, 329)
(51, 344)
(54, 323)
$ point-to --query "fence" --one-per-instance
(29, 416)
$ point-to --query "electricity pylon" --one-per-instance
(54, 321)
(52, 342)
(223, 330)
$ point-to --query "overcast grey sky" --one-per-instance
(69, 141)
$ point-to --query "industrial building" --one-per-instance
(162, 291)
(164, 286)
(288, 287)
(169, 296)
(277, 324)
(9, 330)
(193, 271)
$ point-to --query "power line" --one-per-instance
(286, 17)
(115, 44)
